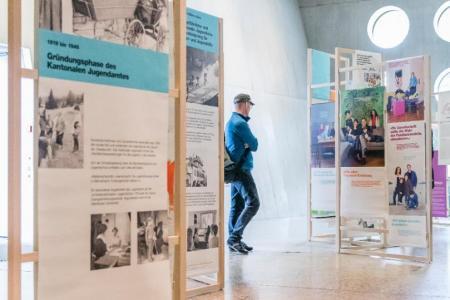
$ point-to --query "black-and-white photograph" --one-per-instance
(203, 230)
(136, 23)
(152, 236)
(202, 78)
(60, 118)
(196, 172)
(110, 240)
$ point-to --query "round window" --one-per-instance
(442, 21)
(442, 83)
(388, 27)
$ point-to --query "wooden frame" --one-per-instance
(339, 228)
(220, 283)
(310, 100)
(15, 74)
(14, 149)
(309, 93)
(179, 271)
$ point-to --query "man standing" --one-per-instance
(411, 175)
(244, 195)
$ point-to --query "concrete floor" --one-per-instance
(283, 267)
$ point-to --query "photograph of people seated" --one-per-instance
(202, 231)
(110, 240)
(322, 135)
(405, 96)
(152, 236)
(362, 131)
(406, 192)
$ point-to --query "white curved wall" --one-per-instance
(265, 55)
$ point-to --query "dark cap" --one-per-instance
(242, 98)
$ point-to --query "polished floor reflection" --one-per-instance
(285, 266)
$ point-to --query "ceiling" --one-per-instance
(311, 3)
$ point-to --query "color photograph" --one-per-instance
(405, 90)
(322, 135)
(362, 128)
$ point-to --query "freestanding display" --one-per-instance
(204, 153)
(103, 108)
(384, 143)
(101, 150)
(321, 140)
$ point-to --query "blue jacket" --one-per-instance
(413, 177)
(237, 135)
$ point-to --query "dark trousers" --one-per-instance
(244, 205)
(76, 144)
(398, 194)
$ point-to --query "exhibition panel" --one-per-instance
(321, 173)
(384, 142)
(204, 148)
(102, 122)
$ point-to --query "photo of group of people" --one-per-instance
(60, 117)
(110, 240)
(203, 230)
(404, 189)
(196, 172)
(202, 77)
(362, 128)
(152, 236)
(136, 23)
(407, 192)
(405, 91)
(322, 135)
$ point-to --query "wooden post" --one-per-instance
(221, 275)
(179, 274)
(14, 149)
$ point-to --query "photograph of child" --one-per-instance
(152, 236)
(60, 116)
(141, 23)
(362, 128)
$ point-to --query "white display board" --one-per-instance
(204, 211)
(103, 111)
(388, 160)
(321, 143)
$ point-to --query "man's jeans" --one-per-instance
(244, 205)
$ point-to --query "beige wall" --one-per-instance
(265, 55)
